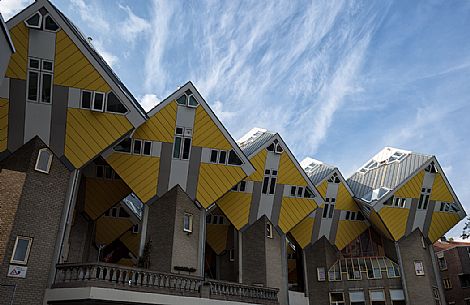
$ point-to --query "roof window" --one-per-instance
(187, 99)
(40, 22)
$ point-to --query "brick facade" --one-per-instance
(39, 201)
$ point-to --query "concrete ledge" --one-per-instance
(121, 296)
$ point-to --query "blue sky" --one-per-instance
(338, 80)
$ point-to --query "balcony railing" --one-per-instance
(135, 279)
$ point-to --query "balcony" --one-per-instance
(117, 277)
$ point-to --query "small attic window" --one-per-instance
(50, 24)
(187, 99)
(233, 158)
(113, 104)
(275, 147)
(431, 168)
(334, 178)
(44, 160)
(34, 21)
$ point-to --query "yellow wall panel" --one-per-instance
(19, 60)
(293, 210)
(3, 124)
(206, 133)
(412, 189)
(348, 231)
(88, 133)
(236, 206)
(73, 69)
(288, 172)
(378, 224)
(303, 232)
(132, 242)
(139, 172)
(216, 237)
(160, 127)
(344, 201)
(258, 162)
(109, 229)
(322, 188)
(395, 219)
(102, 194)
(215, 180)
(441, 223)
(440, 191)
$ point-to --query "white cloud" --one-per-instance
(91, 14)
(9, 8)
(155, 74)
(109, 57)
(148, 101)
(218, 108)
(133, 26)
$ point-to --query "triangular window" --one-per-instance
(50, 24)
(34, 21)
(187, 99)
(113, 104)
(431, 168)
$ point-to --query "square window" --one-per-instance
(242, 186)
(147, 148)
(98, 101)
(188, 222)
(336, 298)
(44, 160)
(21, 250)
(34, 63)
(214, 155)
(47, 65)
(222, 156)
(137, 147)
(321, 275)
(269, 230)
(419, 267)
(86, 100)
(292, 190)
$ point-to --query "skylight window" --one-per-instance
(40, 22)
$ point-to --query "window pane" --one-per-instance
(331, 212)
(242, 186)
(214, 154)
(272, 186)
(113, 104)
(265, 185)
(147, 148)
(108, 172)
(33, 85)
(192, 101)
(181, 100)
(234, 159)
(292, 190)
(34, 63)
(137, 146)
(325, 210)
(42, 163)
(124, 146)
(99, 171)
(46, 88)
(177, 147)
(50, 24)
(34, 20)
(86, 99)
(270, 147)
(300, 191)
(222, 156)
(186, 148)
(21, 249)
(98, 101)
(47, 65)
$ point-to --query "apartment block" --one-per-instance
(102, 202)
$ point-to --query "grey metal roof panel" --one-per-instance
(255, 141)
(388, 175)
(6, 33)
(317, 172)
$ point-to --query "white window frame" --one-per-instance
(40, 71)
(143, 148)
(343, 302)
(34, 26)
(44, 24)
(270, 177)
(183, 136)
(190, 222)
(28, 250)
(133, 146)
(134, 230)
(93, 101)
(321, 271)
(49, 162)
(419, 271)
(269, 230)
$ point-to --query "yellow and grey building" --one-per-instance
(102, 202)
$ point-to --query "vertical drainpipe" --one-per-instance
(305, 273)
(65, 223)
(143, 233)
(402, 271)
(285, 272)
(437, 274)
(202, 241)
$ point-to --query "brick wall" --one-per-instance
(457, 262)
(38, 215)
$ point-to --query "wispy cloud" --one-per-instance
(9, 8)
(148, 101)
(155, 74)
(133, 26)
(91, 13)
